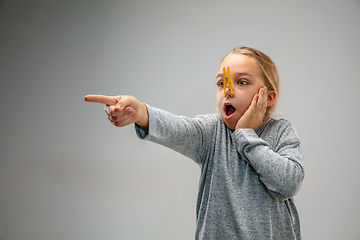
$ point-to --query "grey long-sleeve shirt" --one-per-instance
(248, 178)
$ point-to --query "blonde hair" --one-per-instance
(268, 70)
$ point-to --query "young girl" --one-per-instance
(251, 164)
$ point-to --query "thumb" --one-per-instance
(124, 102)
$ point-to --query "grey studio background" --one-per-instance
(67, 173)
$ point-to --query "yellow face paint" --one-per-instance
(227, 80)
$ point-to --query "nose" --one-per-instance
(227, 92)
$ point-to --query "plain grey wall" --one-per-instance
(67, 173)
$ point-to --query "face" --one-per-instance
(246, 81)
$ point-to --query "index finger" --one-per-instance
(108, 100)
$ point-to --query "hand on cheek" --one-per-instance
(254, 115)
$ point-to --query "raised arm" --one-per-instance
(188, 136)
(122, 110)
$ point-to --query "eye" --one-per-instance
(242, 82)
(220, 83)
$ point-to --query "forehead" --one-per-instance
(240, 63)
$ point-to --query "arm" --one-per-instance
(182, 134)
(187, 136)
(280, 167)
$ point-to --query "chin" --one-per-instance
(229, 124)
(232, 127)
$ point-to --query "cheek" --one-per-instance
(249, 98)
(246, 101)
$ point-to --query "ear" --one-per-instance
(271, 97)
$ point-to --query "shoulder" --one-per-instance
(211, 118)
(279, 131)
(208, 121)
(277, 125)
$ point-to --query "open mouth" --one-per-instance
(229, 110)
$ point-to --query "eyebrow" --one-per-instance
(236, 75)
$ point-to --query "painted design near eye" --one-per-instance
(227, 80)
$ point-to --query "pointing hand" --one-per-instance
(122, 110)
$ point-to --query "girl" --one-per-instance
(251, 164)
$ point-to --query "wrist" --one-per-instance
(143, 120)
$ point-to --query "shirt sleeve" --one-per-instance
(182, 134)
(280, 166)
